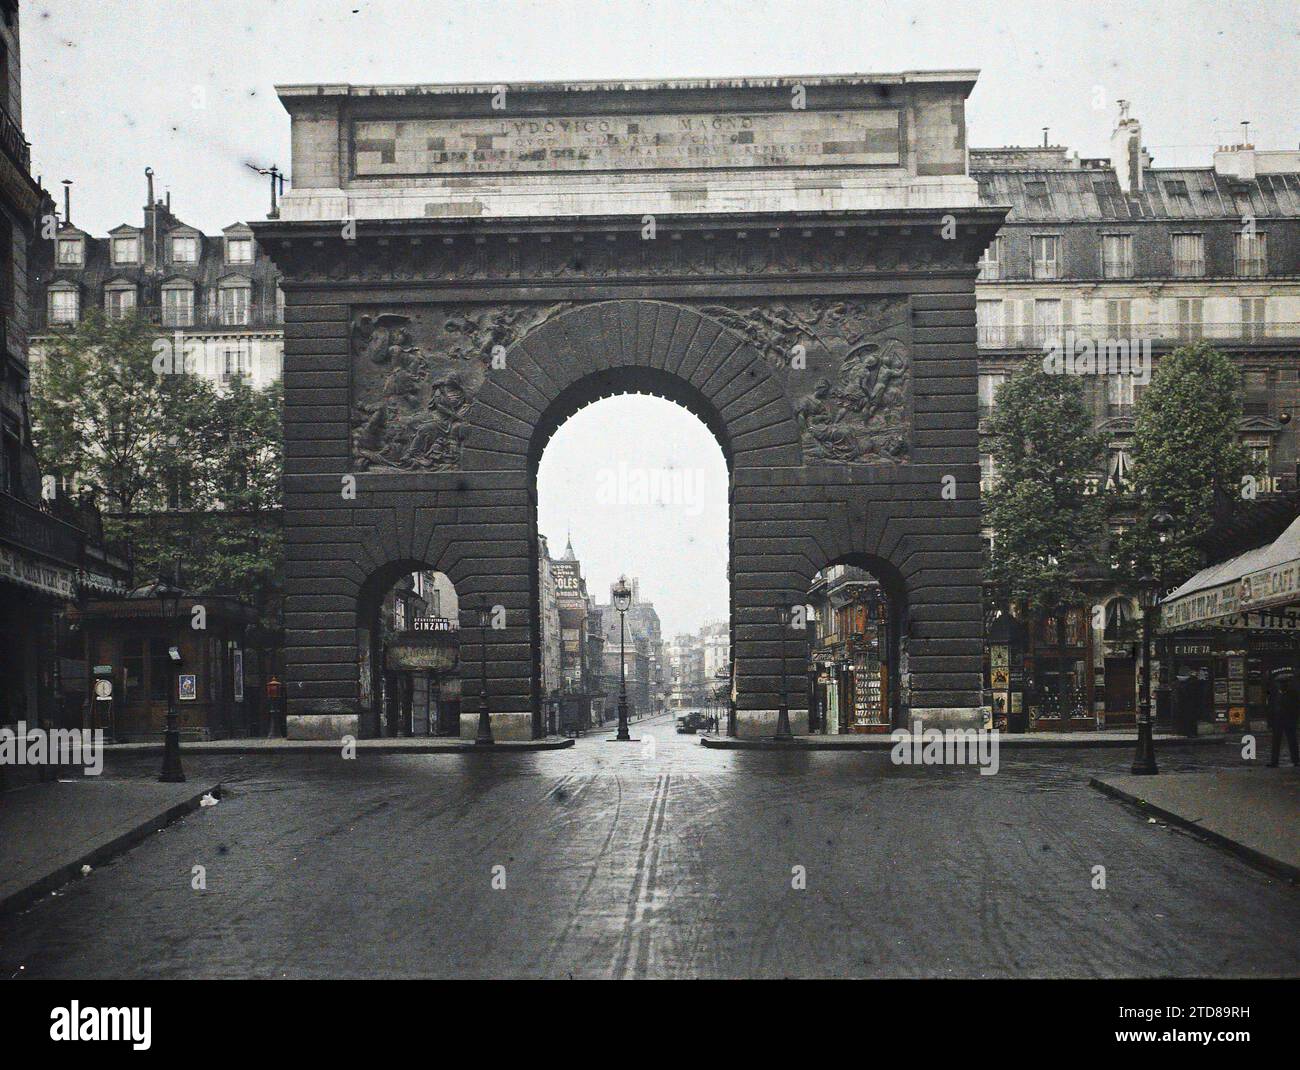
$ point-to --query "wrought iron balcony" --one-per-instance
(16, 147)
(204, 317)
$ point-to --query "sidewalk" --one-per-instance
(1005, 740)
(406, 745)
(1253, 812)
(49, 831)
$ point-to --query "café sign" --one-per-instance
(47, 578)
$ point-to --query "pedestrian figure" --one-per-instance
(1283, 711)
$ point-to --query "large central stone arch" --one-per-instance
(817, 313)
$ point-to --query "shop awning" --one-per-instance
(1259, 589)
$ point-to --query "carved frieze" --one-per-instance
(621, 255)
(845, 365)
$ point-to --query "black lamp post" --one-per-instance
(1144, 761)
(484, 737)
(169, 598)
(622, 597)
(783, 733)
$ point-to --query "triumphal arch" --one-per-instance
(792, 259)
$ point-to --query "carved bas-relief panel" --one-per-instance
(849, 372)
(846, 366)
(415, 373)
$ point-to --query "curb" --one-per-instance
(331, 747)
(1273, 866)
(120, 844)
(1005, 742)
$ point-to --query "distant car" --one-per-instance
(690, 723)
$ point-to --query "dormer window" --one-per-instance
(239, 250)
(119, 300)
(185, 250)
(178, 304)
(233, 300)
(64, 303)
(71, 252)
(126, 250)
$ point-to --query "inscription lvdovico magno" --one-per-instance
(632, 142)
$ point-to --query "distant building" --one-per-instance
(51, 547)
(1117, 249)
(219, 294)
(648, 685)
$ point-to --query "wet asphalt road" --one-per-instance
(619, 864)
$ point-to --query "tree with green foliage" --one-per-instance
(187, 472)
(1187, 461)
(103, 417)
(1048, 522)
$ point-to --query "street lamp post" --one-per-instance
(622, 596)
(1144, 761)
(169, 598)
(484, 736)
(783, 733)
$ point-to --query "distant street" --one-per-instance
(623, 863)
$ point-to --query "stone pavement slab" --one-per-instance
(1255, 813)
(49, 831)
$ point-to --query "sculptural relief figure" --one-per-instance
(857, 411)
(415, 377)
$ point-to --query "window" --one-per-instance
(1039, 196)
(991, 261)
(119, 302)
(399, 615)
(1120, 395)
(233, 302)
(239, 250)
(991, 329)
(1255, 393)
(126, 250)
(1119, 621)
(1117, 256)
(1119, 318)
(1252, 254)
(133, 670)
(1190, 318)
(185, 250)
(70, 252)
(988, 473)
(234, 363)
(1176, 191)
(1118, 467)
(178, 307)
(65, 306)
(1047, 319)
(1046, 249)
(989, 392)
(1260, 450)
(1189, 255)
(160, 670)
(1254, 324)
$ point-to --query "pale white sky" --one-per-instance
(113, 86)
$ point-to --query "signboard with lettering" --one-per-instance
(408, 147)
(432, 624)
(50, 579)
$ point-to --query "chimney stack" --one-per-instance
(67, 202)
(148, 176)
(1126, 154)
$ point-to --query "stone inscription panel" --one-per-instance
(869, 138)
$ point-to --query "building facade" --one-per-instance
(1121, 250)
